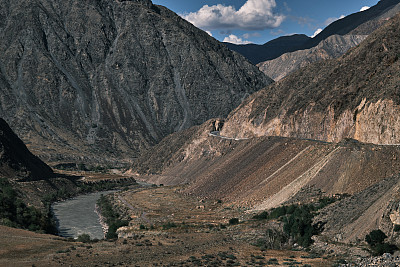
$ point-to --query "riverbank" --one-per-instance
(102, 220)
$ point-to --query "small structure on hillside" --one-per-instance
(218, 124)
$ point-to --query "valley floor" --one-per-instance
(167, 228)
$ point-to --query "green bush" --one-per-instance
(262, 216)
(85, 238)
(375, 237)
(396, 228)
(298, 219)
(234, 221)
(376, 240)
(169, 225)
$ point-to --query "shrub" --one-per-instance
(396, 228)
(169, 225)
(375, 237)
(262, 216)
(234, 221)
(376, 240)
(15, 213)
(85, 238)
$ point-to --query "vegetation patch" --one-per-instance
(297, 221)
(376, 239)
(112, 217)
(15, 213)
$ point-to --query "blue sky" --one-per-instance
(259, 21)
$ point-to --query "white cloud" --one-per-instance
(330, 20)
(209, 33)
(316, 33)
(249, 35)
(253, 15)
(364, 8)
(235, 40)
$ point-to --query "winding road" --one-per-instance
(217, 134)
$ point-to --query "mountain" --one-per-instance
(16, 161)
(272, 49)
(324, 130)
(332, 47)
(100, 81)
(356, 96)
(360, 23)
(265, 172)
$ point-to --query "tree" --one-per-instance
(375, 237)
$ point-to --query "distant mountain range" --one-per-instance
(333, 46)
(360, 23)
(103, 80)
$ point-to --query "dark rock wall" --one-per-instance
(16, 162)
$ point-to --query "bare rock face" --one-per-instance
(103, 80)
(332, 47)
(355, 96)
(16, 162)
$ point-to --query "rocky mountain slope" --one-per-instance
(332, 47)
(265, 172)
(103, 80)
(272, 49)
(16, 161)
(355, 96)
(256, 164)
(360, 23)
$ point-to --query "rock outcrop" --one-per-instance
(103, 80)
(16, 162)
(355, 96)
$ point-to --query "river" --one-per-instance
(77, 216)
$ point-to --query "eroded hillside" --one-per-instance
(355, 96)
(100, 81)
(265, 172)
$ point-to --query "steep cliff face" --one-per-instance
(332, 47)
(16, 162)
(356, 96)
(80, 79)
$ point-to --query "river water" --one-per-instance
(77, 216)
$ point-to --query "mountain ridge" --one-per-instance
(331, 100)
(347, 25)
(111, 77)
